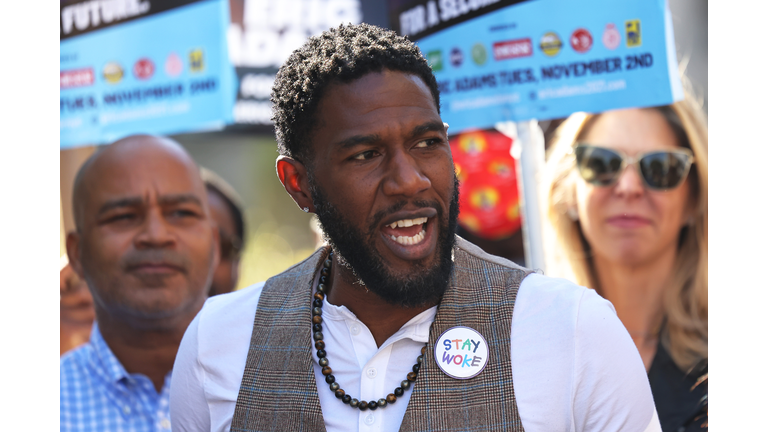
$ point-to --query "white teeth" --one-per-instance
(404, 240)
(408, 222)
(403, 223)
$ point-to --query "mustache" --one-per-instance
(136, 258)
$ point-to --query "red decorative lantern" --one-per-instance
(488, 194)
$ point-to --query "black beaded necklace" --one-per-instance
(317, 329)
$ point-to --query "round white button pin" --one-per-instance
(461, 352)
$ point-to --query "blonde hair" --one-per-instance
(685, 302)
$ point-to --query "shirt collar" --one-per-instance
(417, 328)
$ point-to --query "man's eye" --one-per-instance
(427, 143)
(122, 217)
(183, 213)
(364, 155)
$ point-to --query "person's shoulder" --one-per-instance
(553, 288)
(475, 251)
(595, 375)
(74, 368)
(223, 305)
(224, 323)
(556, 300)
(214, 349)
(76, 358)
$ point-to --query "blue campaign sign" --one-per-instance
(545, 59)
(149, 66)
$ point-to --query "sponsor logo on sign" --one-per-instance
(173, 65)
(500, 169)
(512, 49)
(112, 72)
(633, 33)
(461, 352)
(196, 62)
(77, 78)
(143, 69)
(479, 54)
(435, 60)
(472, 143)
(550, 44)
(581, 40)
(484, 198)
(456, 57)
(611, 37)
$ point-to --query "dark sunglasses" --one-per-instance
(660, 170)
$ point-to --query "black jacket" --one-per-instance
(681, 407)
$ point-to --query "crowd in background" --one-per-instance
(627, 215)
(627, 206)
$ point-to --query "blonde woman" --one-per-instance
(627, 203)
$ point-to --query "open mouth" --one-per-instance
(410, 234)
(407, 232)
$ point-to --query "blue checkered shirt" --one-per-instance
(97, 394)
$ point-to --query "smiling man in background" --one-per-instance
(146, 246)
(398, 324)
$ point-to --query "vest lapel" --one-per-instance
(481, 296)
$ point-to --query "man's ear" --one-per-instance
(73, 253)
(293, 176)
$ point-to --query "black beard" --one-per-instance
(424, 285)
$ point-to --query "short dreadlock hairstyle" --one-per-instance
(338, 55)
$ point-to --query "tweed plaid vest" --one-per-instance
(279, 393)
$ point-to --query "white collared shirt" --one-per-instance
(574, 365)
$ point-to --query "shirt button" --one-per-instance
(126, 410)
(354, 329)
(165, 423)
(370, 419)
(371, 372)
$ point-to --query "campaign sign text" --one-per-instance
(547, 58)
(156, 67)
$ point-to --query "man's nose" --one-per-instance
(155, 231)
(405, 176)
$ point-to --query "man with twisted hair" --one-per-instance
(398, 324)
